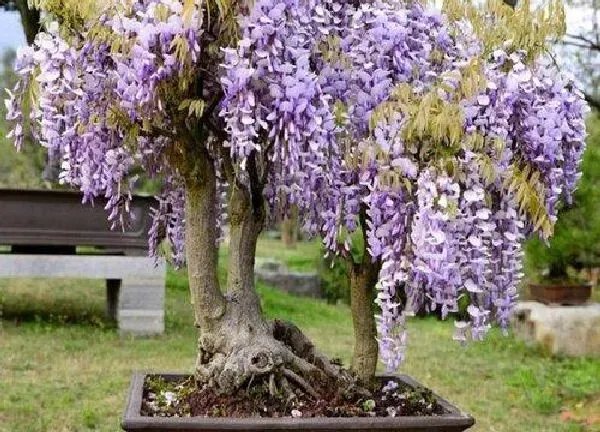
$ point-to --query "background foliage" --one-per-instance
(17, 169)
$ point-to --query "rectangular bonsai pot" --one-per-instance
(453, 420)
(570, 295)
(51, 219)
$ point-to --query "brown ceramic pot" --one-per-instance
(574, 294)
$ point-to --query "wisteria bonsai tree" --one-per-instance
(444, 146)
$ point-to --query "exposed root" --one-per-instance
(250, 381)
(301, 365)
(272, 389)
(277, 360)
(301, 382)
(286, 389)
(293, 337)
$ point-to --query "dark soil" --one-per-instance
(184, 399)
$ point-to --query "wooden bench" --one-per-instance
(52, 235)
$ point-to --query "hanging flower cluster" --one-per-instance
(378, 113)
(451, 178)
(101, 104)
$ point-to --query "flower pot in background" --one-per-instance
(567, 294)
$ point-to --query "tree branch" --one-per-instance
(217, 131)
(577, 45)
(256, 186)
(156, 132)
(211, 108)
(593, 45)
(266, 168)
(227, 164)
(267, 163)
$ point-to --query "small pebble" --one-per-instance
(170, 397)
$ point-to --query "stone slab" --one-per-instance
(562, 330)
(275, 274)
(141, 322)
(142, 294)
(80, 266)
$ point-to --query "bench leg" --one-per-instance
(142, 306)
(112, 298)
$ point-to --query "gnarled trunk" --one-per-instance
(236, 343)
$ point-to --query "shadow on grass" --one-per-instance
(62, 315)
(54, 302)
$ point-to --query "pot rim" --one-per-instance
(555, 285)
(132, 419)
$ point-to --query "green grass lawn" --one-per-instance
(303, 257)
(64, 368)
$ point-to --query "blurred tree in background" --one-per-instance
(31, 168)
(18, 169)
(582, 44)
(30, 18)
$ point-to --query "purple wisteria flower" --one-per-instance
(302, 90)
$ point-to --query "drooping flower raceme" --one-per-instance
(451, 224)
(101, 105)
(373, 112)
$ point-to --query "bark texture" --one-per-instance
(201, 249)
(236, 344)
(246, 223)
(363, 277)
(30, 20)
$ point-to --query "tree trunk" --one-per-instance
(363, 278)
(237, 345)
(289, 229)
(30, 20)
(201, 251)
(246, 223)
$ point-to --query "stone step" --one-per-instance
(562, 330)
